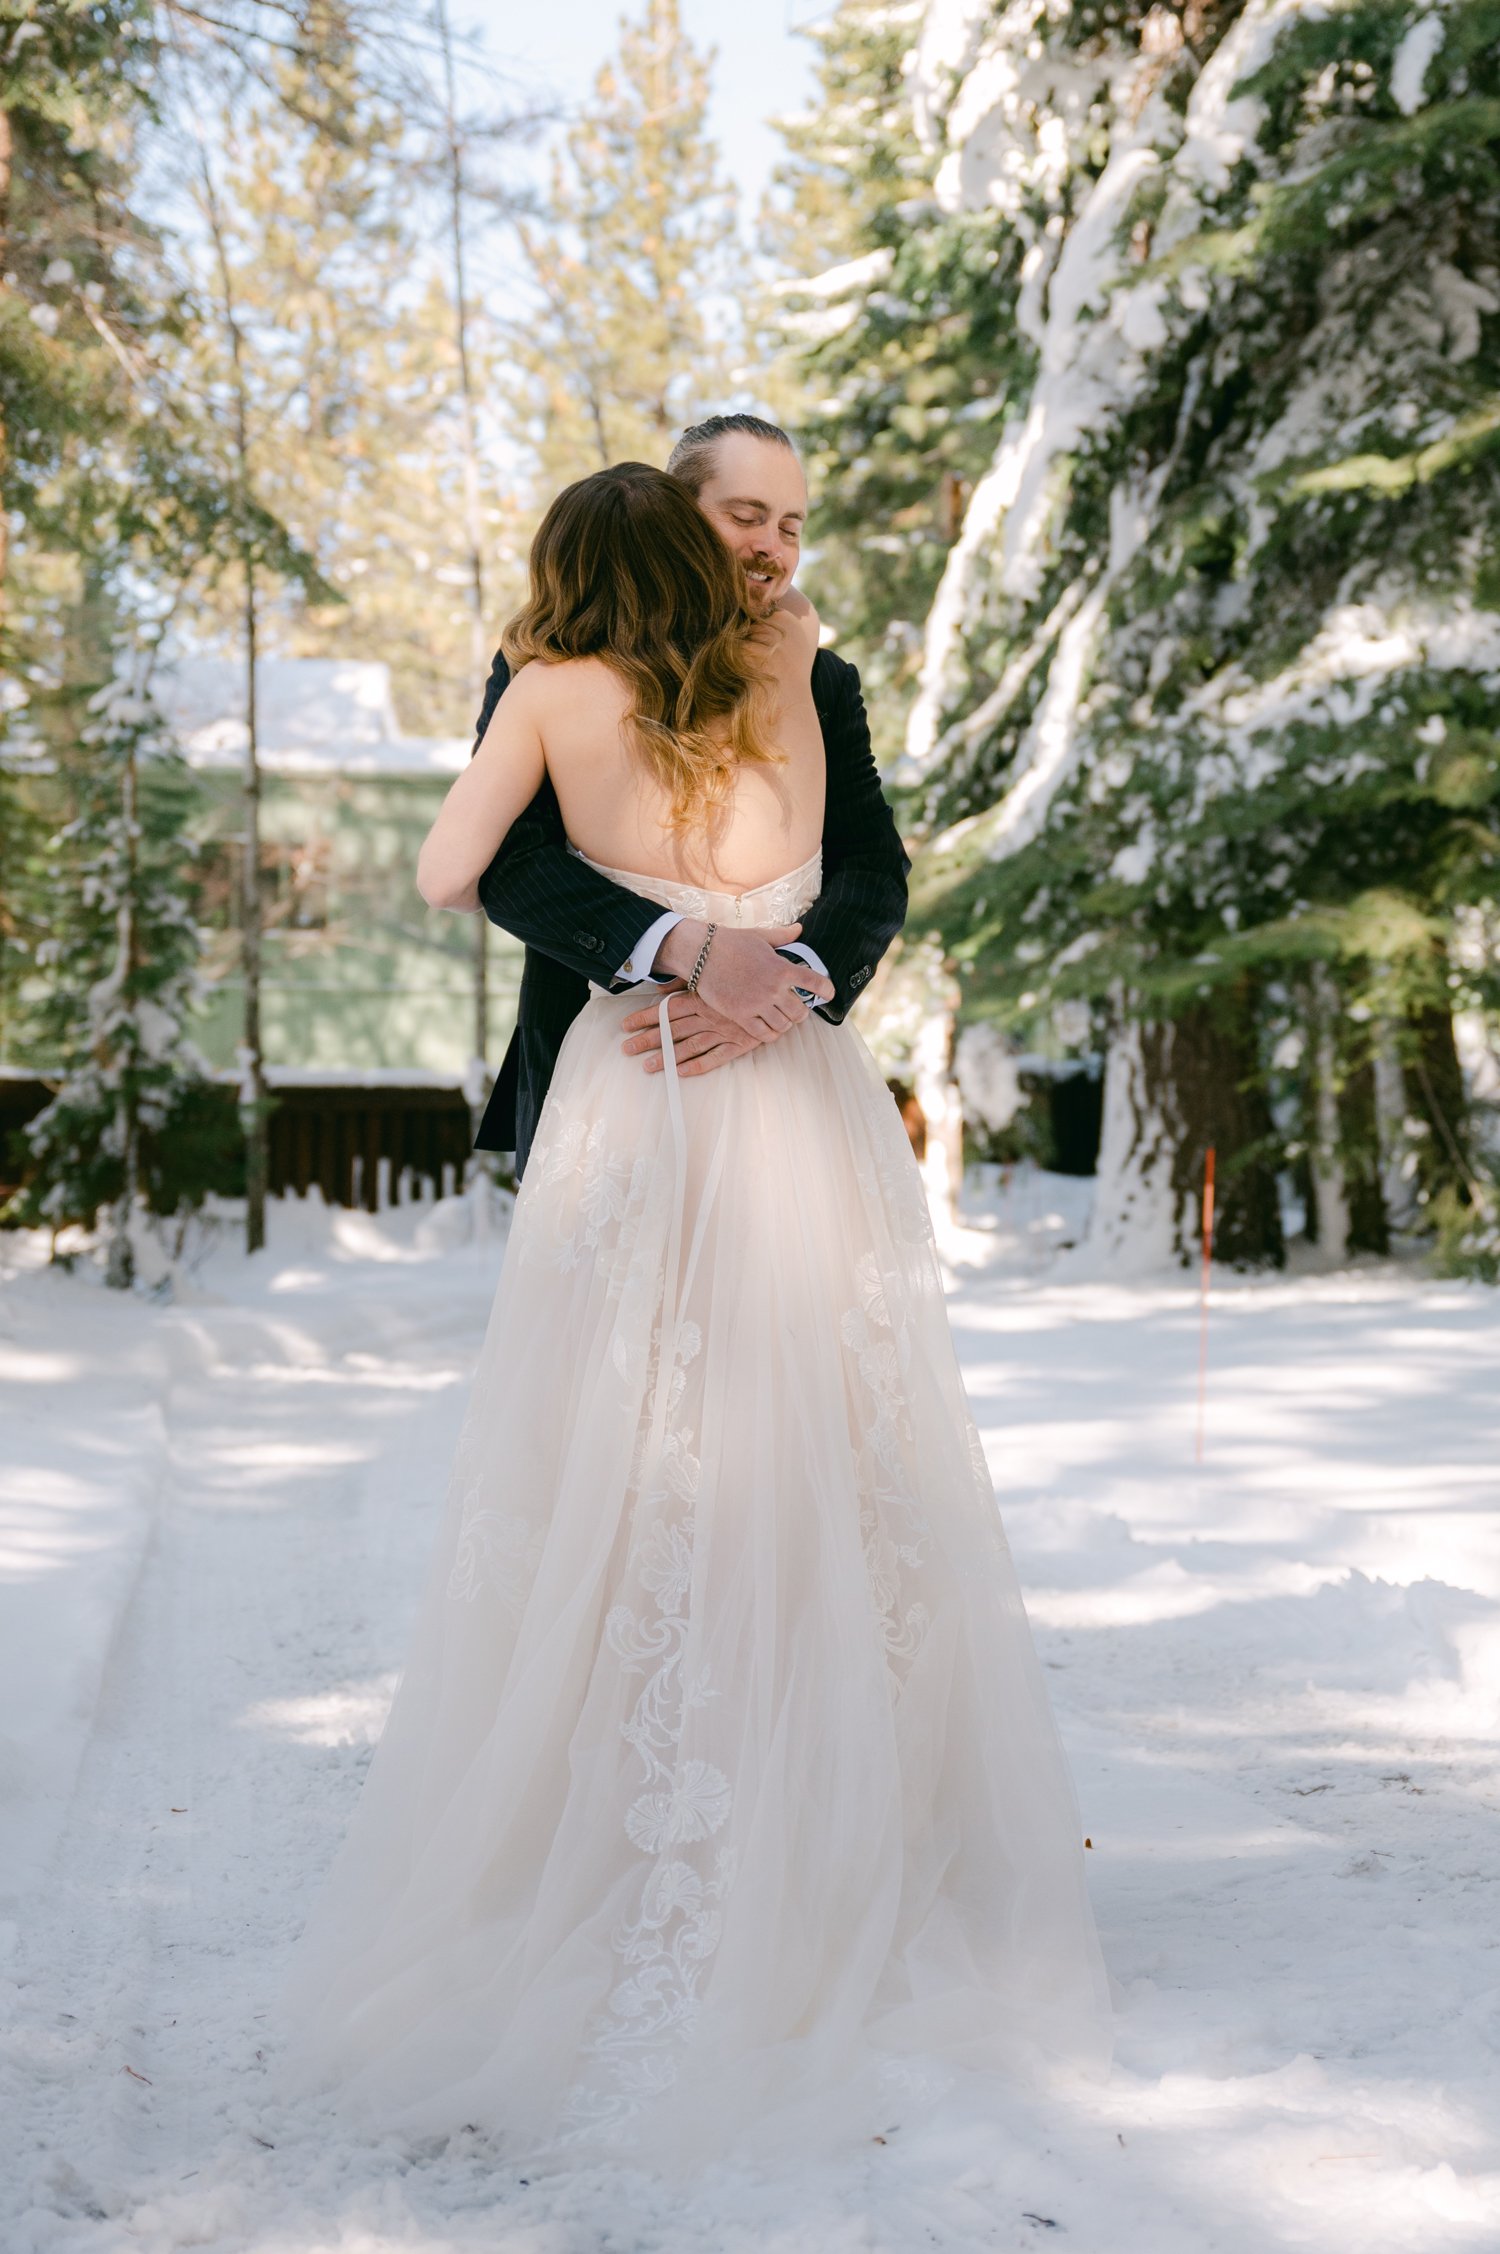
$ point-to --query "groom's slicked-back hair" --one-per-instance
(692, 459)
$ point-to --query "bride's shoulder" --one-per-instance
(553, 685)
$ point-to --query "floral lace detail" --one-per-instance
(887, 1498)
(498, 1551)
(784, 900)
(609, 1188)
(686, 1801)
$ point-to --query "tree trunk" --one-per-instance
(1349, 1209)
(1438, 1102)
(252, 1060)
(119, 1272)
(1174, 1089)
(1369, 1228)
(1135, 1224)
(473, 519)
(6, 160)
(1221, 1100)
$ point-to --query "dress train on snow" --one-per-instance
(720, 1798)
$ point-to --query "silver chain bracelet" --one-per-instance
(697, 970)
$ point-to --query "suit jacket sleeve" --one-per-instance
(862, 905)
(544, 895)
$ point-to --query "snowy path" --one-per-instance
(1280, 1679)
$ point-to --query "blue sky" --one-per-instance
(762, 66)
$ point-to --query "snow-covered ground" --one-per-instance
(1279, 1675)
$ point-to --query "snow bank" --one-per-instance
(93, 1385)
(1278, 1675)
(85, 1455)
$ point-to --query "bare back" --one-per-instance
(616, 812)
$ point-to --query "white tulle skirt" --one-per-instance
(720, 1802)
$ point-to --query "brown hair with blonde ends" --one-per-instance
(625, 567)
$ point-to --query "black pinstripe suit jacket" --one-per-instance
(577, 925)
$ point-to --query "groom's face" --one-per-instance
(755, 497)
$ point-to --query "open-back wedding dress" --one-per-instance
(720, 1798)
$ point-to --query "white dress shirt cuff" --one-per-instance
(640, 964)
(813, 962)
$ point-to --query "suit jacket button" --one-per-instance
(587, 941)
(858, 978)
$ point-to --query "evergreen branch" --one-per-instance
(1475, 436)
(1360, 185)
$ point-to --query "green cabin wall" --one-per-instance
(358, 974)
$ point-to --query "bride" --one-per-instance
(720, 1800)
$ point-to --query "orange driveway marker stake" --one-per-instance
(1208, 1246)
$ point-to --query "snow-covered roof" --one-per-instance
(314, 716)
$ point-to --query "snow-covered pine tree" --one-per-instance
(81, 297)
(23, 890)
(891, 319)
(78, 263)
(121, 973)
(1206, 724)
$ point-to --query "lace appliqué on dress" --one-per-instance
(784, 900)
(605, 1187)
(888, 1502)
(498, 1551)
(663, 1949)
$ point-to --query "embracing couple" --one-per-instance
(720, 1806)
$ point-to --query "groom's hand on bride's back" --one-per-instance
(744, 979)
(701, 1039)
(760, 984)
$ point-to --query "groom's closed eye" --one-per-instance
(790, 528)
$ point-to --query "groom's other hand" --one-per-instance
(701, 1039)
(744, 979)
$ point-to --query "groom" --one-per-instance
(580, 927)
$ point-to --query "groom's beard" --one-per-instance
(761, 597)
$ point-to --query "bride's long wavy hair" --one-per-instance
(626, 567)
